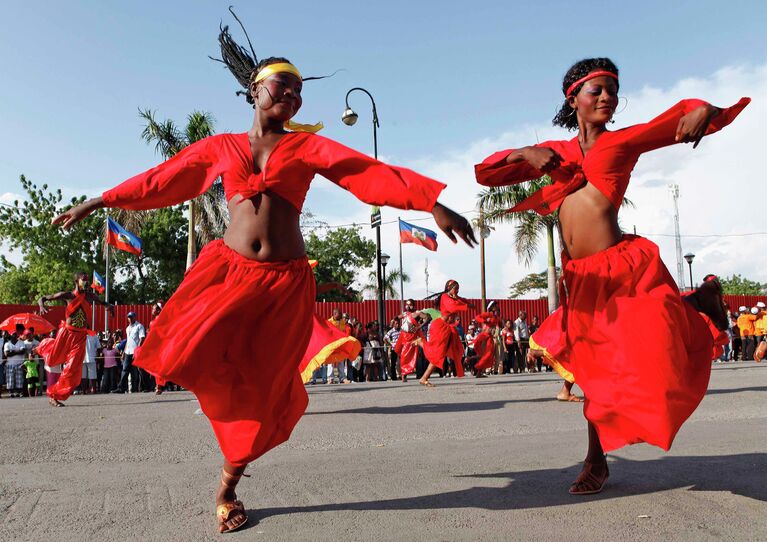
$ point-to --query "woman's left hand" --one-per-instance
(452, 223)
(692, 127)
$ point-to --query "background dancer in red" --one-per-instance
(410, 339)
(613, 282)
(254, 286)
(484, 344)
(444, 341)
(69, 345)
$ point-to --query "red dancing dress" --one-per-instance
(408, 342)
(484, 344)
(327, 345)
(444, 341)
(236, 329)
(68, 347)
(635, 391)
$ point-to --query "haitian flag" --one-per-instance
(98, 284)
(420, 236)
(119, 237)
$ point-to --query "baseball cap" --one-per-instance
(742, 308)
(131, 314)
(754, 310)
(760, 305)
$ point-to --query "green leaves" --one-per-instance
(738, 285)
(341, 253)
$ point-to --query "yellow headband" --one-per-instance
(280, 67)
(287, 67)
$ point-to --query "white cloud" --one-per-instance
(720, 184)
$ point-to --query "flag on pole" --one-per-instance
(420, 236)
(120, 238)
(98, 284)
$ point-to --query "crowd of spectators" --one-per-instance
(378, 360)
(107, 367)
(748, 329)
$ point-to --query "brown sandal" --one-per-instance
(227, 511)
(587, 477)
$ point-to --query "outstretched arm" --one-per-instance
(514, 166)
(44, 299)
(377, 183)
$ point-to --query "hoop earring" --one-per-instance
(572, 112)
(625, 104)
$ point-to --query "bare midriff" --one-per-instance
(264, 228)
(588, 222)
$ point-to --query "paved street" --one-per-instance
(469, 460)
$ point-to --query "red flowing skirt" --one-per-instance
(234, 334)
(484, 346)
(67, 348)
(407, 350)
(328, 344)
(444, 342)
(641, 355)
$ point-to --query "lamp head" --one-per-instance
(384, 259)
(349, 117)
(689, 257)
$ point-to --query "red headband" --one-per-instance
(592, 75)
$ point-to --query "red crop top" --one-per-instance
(607, 165)
(288, 171)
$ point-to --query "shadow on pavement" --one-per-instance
(736, 390)
(738, 474)
(425, 408)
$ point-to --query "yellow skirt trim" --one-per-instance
(552, 362)
(344, 348)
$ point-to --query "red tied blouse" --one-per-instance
(78, 309)
(288, 171)
(607, 165)
(451, 305)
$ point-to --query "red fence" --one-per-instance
(365, 311)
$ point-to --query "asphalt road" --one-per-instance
(468, 460)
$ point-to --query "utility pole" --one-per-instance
(674, 188)
(426, 273)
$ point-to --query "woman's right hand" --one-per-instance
(543, 159)
(72, 216)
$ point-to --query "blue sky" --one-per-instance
(445, 75)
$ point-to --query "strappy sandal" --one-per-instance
(588, 478)
(227, 511)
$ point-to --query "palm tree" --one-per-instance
(390, 284)
(207, 214)
(494, 204)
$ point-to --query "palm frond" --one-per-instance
(167, 138)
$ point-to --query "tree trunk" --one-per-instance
(191, 247)
(551, 274)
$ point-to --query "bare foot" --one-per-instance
(592, 478)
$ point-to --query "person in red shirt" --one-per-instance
(68, 347)
(484, 344)
(444, 341)
(253, 289)
(613, 283)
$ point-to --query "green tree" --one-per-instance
(738, 285)
(207, 215)
(341, 253)
(391, 284)
(532, 283)
(50, 255)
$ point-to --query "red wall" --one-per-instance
(365, 311)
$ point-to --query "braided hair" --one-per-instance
(566, 117)
(243, 64)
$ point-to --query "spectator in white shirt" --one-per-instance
(522, 336)
(90, 375)
(15, 351)
(134, 337)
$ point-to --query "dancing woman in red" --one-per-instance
(444, 341)
(69, 345)
(612, 283)
(484, 344)
(255, 286)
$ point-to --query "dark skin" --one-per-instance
(588, 222)
(81, 285)
(266, 227)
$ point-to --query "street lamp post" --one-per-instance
(349, 118)
(384, 261)
(690, 257)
